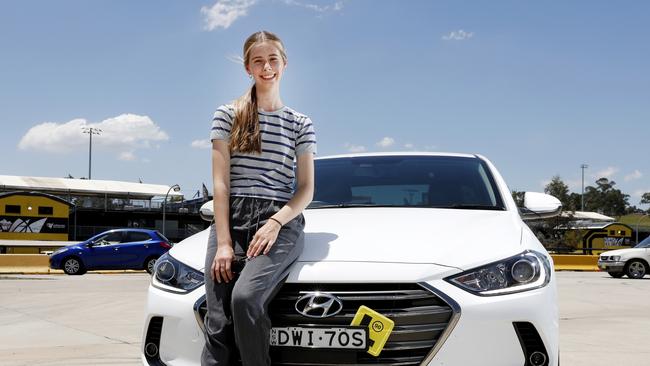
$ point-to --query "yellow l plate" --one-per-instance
(379, 328)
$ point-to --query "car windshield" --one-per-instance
(645, 243)
(405, 181)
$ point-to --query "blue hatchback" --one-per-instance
(113, 249)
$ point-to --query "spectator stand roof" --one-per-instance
(86, 187)
(586, 220)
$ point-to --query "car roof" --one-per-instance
(398, 153)
(148, 231)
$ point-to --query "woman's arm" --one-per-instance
(304, 190)
(266, 235)
(221, 207)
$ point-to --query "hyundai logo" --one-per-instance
(318, 305)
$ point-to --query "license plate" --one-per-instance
(320, 337)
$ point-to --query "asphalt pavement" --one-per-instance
(97, 319)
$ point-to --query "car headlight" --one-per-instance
(173, 276)
(526, 271)
(615, 258)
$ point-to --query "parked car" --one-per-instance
(632, 262)
(113, 249)
(433, 242)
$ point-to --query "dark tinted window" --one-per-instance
(137, 236)
(13, 209)
(163, 237)
(45, 210)
(424, 181)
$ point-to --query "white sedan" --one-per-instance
(412, 259)
(632, 262)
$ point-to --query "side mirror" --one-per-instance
(90, 244)
(206, 212)
(540, 206)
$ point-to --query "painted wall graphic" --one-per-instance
(609, 237)
(33, 216)
(33, 225)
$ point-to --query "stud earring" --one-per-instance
(250, 76)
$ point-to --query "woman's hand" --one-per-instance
(222, 262)
(264, 238)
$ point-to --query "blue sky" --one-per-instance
(539, 88)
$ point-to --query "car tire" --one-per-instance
(149, 264)
(636, 269)
(73, 266)
(616, 274)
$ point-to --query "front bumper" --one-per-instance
(181, 339)
(55, 262)
(485, 324)
(611, 266)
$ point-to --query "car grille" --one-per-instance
(420, 317)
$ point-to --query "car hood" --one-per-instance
(449, 237)
(622, 251)
(77, 246)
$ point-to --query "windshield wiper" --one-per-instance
(346, 205)
(460, 206)
(472, 206)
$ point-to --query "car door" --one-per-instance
(103, 254)
(134, 249)
(642, 250)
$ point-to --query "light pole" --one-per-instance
(91, 131)
(637, 226)
(582, 195)
(176, 188)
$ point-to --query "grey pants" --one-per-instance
(237, 323)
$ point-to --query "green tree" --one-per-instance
(518, 196)
(606, 199)
(645, 199)
(557, 188)
(575, 202)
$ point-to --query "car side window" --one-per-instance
(108, 239)
(137, 236)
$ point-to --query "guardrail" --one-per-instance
(575, 262)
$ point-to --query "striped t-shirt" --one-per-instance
(285, 134)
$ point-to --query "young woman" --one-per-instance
(258, 215)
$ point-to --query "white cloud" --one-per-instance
(606, 173)
(201, 144)
(355, 148)
(123, 134)
(409, 146)
(127, 156)
(224, 12)
(386, 142)
(459, 35)
(337, 6)
(430, 148)
(633, 176)
(235, 59)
